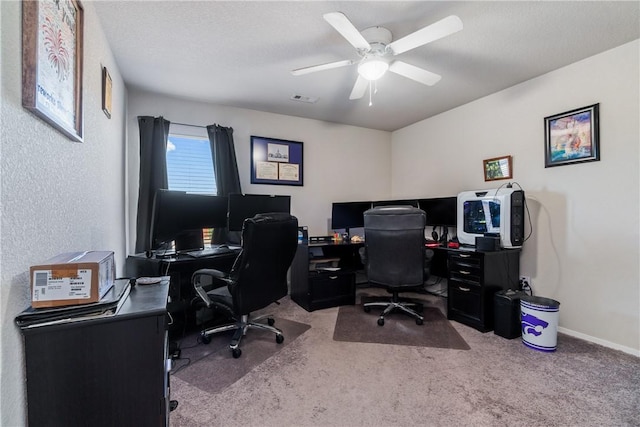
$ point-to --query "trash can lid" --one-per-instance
(540, 301)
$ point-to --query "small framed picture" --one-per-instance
(498, 168)
(106, 92)
(572, 137)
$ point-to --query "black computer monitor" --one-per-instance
(345, 215)
(243, 206)
(404, 202)
(441, 211)
(180, 216)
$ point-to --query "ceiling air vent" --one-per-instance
(307, 99)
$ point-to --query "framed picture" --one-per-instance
(52, 38)
(572, 137)
(276, 161)
(106, 92)
(498, 168)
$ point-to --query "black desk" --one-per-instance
(318, 289)
(103, 371)
(181, 292)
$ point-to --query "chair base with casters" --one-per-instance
(241, 326)
(407, 306)
(222, 300)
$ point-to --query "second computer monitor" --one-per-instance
(441, 211)
(243, 206)
(345, 215)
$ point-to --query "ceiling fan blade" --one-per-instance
(342, 24)
(321, 67)
(414, 73)
(359, 88)
(449, 25)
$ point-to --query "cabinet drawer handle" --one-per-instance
(465, 272)
(465, 256)
(464, 289)
(333, 277)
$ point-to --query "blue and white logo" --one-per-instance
(532, 325)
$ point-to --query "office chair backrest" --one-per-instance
(394, 241)
(269, 243)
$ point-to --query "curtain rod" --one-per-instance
(184, 124)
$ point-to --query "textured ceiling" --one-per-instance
(240, 53)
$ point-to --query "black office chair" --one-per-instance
(257, 279)
(395, 257)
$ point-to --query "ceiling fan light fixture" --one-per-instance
(372, 68)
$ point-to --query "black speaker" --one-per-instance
(506, 313)
(487, 243)
(517, 218)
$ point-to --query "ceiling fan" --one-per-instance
(376, 49)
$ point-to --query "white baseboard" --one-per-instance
(628, 350)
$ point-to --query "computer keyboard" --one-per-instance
(216, 250)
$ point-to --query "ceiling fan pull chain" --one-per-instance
(370, 93)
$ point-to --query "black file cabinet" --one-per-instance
(473, 279)
(107, 371)
(318, 289)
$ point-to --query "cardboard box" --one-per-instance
(72, 278)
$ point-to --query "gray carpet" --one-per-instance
(354, 325)
(317, 381)
(212, 368)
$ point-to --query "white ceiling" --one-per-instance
(240, 53)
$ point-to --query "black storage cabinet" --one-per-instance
(108, 371)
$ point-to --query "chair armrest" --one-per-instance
(209, 272)
(217, 279)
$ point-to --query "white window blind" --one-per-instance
(189, 160)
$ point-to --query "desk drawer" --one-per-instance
(465, 259)
(466, 267)
(464, 300)
(469, 275)
(327, 285)
(331, 290)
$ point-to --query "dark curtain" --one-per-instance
(154, 132)
(226, 171)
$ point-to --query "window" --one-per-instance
(189, 160)
(190, 163)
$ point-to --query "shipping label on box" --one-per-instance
(61, 284)
(72, 278)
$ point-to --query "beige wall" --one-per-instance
(56, 195)
(584, 248)
(340, 162)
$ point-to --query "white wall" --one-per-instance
(584, 247)
(341, 163)
(584, 250)
(56, 195)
